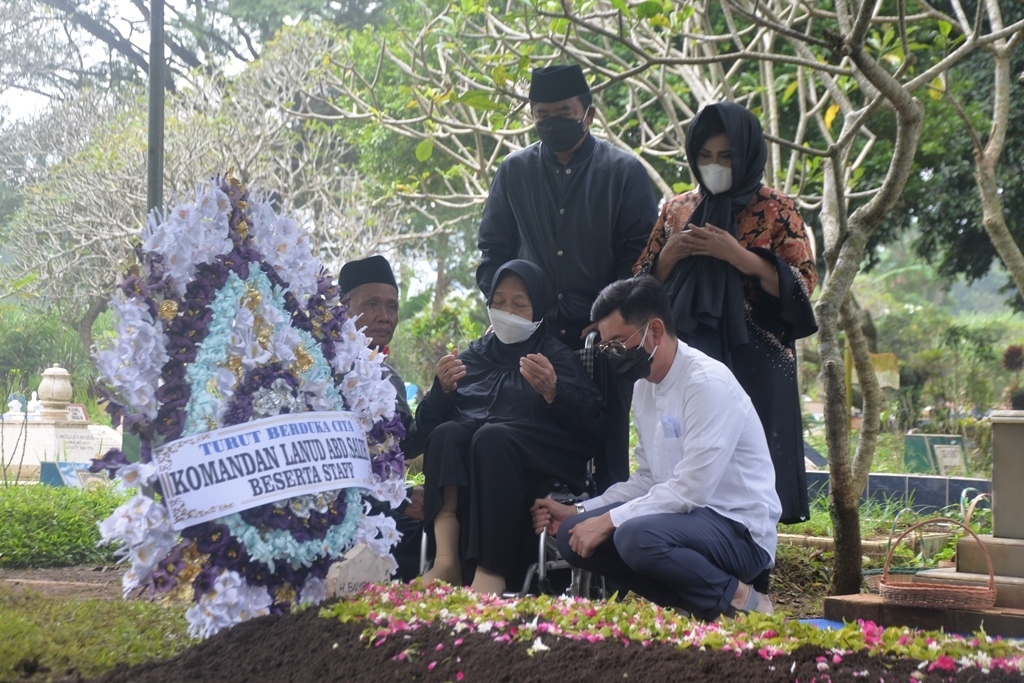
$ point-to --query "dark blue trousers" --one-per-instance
(691, 560)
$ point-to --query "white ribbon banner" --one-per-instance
(235, 468)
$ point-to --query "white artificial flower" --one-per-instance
(230, 601)
(190, 234)
(313, 592)
(132, 365)
(137, 475)
(390, 491)
(142, 528)
(285, 246)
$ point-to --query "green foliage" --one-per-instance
(47, 526)
(942, 195)
(32, 340)
(876, 519)
(950, 370)
(421, 341)
(89, 636)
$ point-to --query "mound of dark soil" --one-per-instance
(306, 648)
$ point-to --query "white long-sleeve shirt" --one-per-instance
(701, 444)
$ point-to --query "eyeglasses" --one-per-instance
(617, 348)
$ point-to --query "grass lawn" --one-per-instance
(39, 632)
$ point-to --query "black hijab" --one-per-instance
(707, 293)
(508, 355)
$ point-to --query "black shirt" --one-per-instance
(583, 224)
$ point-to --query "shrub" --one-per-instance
(46, 526)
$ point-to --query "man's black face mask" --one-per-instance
(631, 364)
(560, 134)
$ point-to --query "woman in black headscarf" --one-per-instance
(738, 266)
(505, 419)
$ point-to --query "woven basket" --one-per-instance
(937, 595)
(873, 577)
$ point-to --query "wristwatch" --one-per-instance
(579, 509)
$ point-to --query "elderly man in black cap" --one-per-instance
(369, 289)
(371, 292)
(579, 208)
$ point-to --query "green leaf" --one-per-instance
(425, 149)
(646, 10)
(621, 6)
(479, 99)
(500, 76)
(131, 446)
(944, 28)
(790, 90)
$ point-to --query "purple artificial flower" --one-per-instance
(204, 581)
(173, 395)
(320, 567)
(231, 556)
(209, 538)
(182, 349)
(301, 532)
(257, 574)
(269, 516)
(154, 264)
(134, 286)
(170, 422)
(165, 576)
(380, 431)
(111, 461)
(317, 525)
(239, 410)
(133, 423)
(198, 295)
(336, 511)
(146, 456)
(235, 261)
(389, 463)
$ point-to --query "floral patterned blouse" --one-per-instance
(770, 221)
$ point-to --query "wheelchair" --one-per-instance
(581, 583)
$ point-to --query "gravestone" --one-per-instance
(1005, 546)
(357, 568)
(48, 433)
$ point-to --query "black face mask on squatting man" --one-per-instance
(560, 134)
(631, 364)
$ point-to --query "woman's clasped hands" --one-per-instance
(540, 373)
(450, 369)
(706, 240)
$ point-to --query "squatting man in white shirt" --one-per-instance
(697, 521)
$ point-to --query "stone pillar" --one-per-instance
(1007, 473)
(55, 393)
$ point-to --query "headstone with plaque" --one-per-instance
(357, 569)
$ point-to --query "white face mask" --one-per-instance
(717, 178)
(509, 327)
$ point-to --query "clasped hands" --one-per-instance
(535, 368)
(707, 240)
(584, 538)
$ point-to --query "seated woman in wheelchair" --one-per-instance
(505, 419)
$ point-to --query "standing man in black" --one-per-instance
(579, 208)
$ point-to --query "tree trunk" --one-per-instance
(987, 162)
(84, 326)
(440, 286)
(871, 392)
